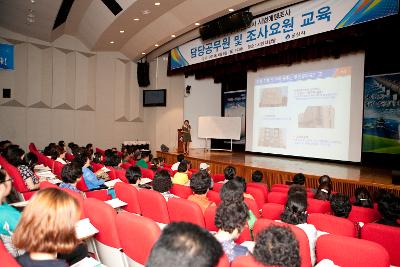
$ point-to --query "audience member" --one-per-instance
(91, 180)
(181, 177)
(257, 177)
(340, 205)
(323, 191)
(184, 244)
(155, 165)
(89, 149)
(200, 184)
(324, 179)
(71, 173)
(61, 156)
(179, 159)
(299, 179)
(133, 174)
(363, 198)
(162, 183)
(277, 246)
(143, 161)
(204, 167)
(14, 157)
(389, 208)
(113, 160)
(242, 182)
(98, 158)
(231, 218)
(229, 173)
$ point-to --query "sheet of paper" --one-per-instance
(249, 245)
(87, 262)
(85, 229)
(112, 183)
(145, 180)
(105, 169)
(116, 203)
(20, 204)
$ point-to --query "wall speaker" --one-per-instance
(227, 24)
(143, 74)
(188, 89)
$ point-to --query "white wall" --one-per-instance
(204, 100)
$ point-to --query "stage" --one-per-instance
(346, 177)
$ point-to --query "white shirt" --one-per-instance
(61, 161)
(311, 233)
(175, 166)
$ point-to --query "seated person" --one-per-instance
(323, 191)
(231, 218)
(90, 178)
(363, 198)
(257, 177)
(321, 180)
(200, 184)
(61, 153)
(71, 173)
(242, 181)
(155, 165)
(162, 183)
(98, 158)
(389, 208)
(341, 207)
(181, 177)
(229, 173)
(113, 160)
(47, 228)
(277, 246)
(183, 244)
(179, 159)
(143, 161)
(205, 167)
(299, 179)
(134, 174)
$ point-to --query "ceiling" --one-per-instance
(166, 25)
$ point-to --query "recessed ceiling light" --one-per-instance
(156, 45)
(136, 19)
(173, 36)
(197, 24)
(231, 10)
(143, 53)
(121, 31)
(111, 42)
(157, 4)
(146, 12)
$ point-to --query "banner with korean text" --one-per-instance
(294, 22)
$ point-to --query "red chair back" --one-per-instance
(246, 261)
(351, 252)
(98, 194)
(262, 187)
(279, 185)
(214, 196)
(46, 184)
(209, 218)
(217, 187)
(32, 148)
(218, 177)
(58, 168)
(132, 162)
(272, 211)
(120, 174)
(386, 236)
(301, 236)
(257, 194)
(125, 165)
(96, 166)
(318, 206)
(277, 197)
(365, 215)
(147, 173)
(69, 156)
(181, 191)
(153, 205)
(137, 235)
(333, 225)
(100, 151)
(252, 205)
(244, 236)
(223, 261)
(129, 194)
(183, 210)
(6, 258)
(102, 216)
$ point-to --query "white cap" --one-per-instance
(204, 166)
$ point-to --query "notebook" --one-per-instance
(85, 229)
(112, 183)
(116, 203)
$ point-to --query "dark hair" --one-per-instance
(14, 154)
(133, 174)
(363, 198)
(229, 173)
(71, 172)
(54, 152)
(89, 146)
(324, 179)
(323, 191)
(257, 176)
(295, 209)
(71, 145)
(156, 164)
(97, 157)
(186, 121)
(3, 176)
(112, 160)
(180, 157)
(162, 181)
(81, 156)
(231, 216)
(200, 183)
(389, 208)
(340, 205)
(296, 188)
(182, 167)
(242, 181)
(183, 244)
(30, 160)
(61, 143)
(299, 178)
(232, 191)
(277, 246)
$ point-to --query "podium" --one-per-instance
(180, 141)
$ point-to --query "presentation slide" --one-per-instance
(312, 109)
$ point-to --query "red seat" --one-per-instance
(301, 236)
(310, 194)
(386, 236)
(333, 225)
(217, 187)
(58, 168)
(46, 184)
(209, 218)
(32, 148)
(272, 211)
(137, 235)
(96, 166)
(244, 236)
(257, 194)
(153, 205)
(365, 215)
(261, 186)
(120, 174)
(147, 173)
(129, 194)
(6, 258)
(214, 196)
(351, 252)
(277, 197)
(246, 261)
(181, 190)
(218, 177)
(223, 261)
(279, 185)
(69, 156)
(132, 162)
(252, 205)
(101, 151)
(183, 210)
(103, 217)
(125, 165)
(101, 194)
(318, 206)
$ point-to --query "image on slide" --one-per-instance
(317, 117)
(272, 137)
(274, 97)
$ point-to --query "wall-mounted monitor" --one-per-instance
(155, 98)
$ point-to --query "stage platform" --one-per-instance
(346, 177)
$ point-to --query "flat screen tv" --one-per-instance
(155, 98)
